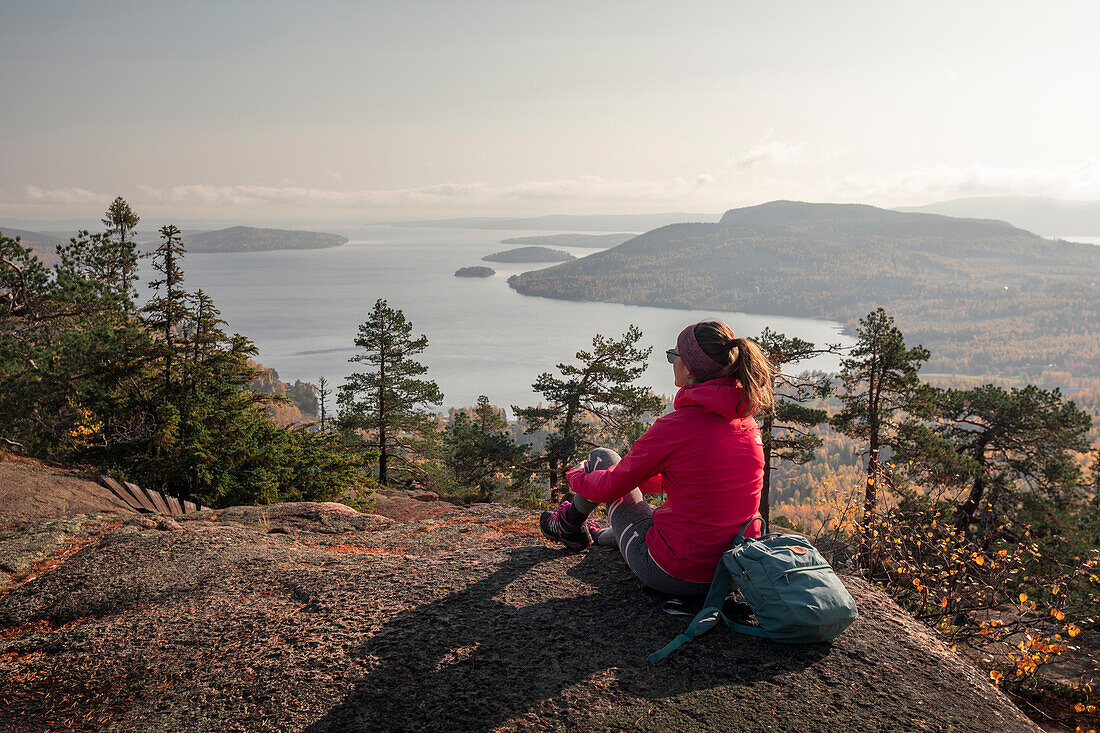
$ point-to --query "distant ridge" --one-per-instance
(251, 239)
(43, 245)
(572, 240)
(591, 223)
(1049, 217)
(860, 219)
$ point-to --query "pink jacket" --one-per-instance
(708, 460)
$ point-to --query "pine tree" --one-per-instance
(479, 452)
(880, 386)
(786, 427)
(215, 442)
(998, 440)
(388, 401)
(593, 402)
(24, 282)
(96, 258)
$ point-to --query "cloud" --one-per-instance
(223, 199)
(1077, 181)
(589, 187)
(62, 196)
(774, 152)
(734, 185)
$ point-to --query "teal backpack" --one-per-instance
(793, 592)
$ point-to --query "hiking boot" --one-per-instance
(555, 528)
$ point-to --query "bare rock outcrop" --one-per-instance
(314, 617)
(32, 490)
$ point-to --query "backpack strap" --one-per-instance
(741, 535)
(706, 619)
(745, 629)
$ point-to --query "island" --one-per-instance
(530, 254)
(573, 240)
(251, 239)
(475, 271)
(988, 299)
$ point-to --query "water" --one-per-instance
(303, 309)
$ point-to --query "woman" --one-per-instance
(706, 456)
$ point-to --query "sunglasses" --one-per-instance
(671, 355)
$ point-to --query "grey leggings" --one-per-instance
(631, 517)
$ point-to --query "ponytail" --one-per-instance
(743, 360)
(751, 368)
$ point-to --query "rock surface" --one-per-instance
(47, 514)
(31, 490)
(314, 617)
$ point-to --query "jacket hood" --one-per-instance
(716, 395)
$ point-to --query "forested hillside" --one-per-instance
(43, 245)
(985, 297)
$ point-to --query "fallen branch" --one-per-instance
(13, 443)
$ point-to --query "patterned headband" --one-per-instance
(701, 366)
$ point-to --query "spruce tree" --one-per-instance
(121, 221)
(591, 403)
(161, 400)
(881, 386)
(165, 313)
(323, 392)
(388, 401)
(69, 351)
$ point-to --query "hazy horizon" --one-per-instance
(367, 112)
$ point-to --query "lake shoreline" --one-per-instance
(302, 308)
(841, 327)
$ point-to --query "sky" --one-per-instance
(368, 110)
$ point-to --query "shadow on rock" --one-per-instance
(533, 641)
